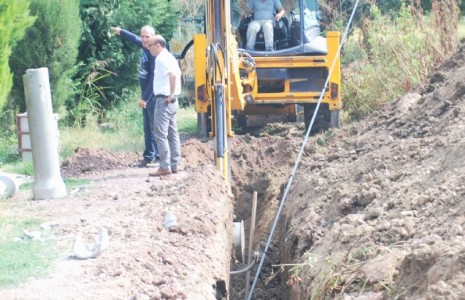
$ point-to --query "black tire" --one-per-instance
(335, 119)
(324, 120)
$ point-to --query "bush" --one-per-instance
(394, 56)
(8, 147)
(126, 117)
(120, 57)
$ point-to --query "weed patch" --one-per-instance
(22, 256)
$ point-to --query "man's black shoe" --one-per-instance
(154, 163)
(143, 163)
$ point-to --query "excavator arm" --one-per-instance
(218, 89)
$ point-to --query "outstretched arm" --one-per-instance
(127, 35)
(116, 30)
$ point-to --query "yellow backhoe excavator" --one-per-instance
(234, 84)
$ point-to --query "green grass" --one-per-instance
(70, 184)
(22, 258)
(461, 28)
(391, 59)
(122, 133)
(94, 137)
(187, 120)
(19, 167)
(8, 146)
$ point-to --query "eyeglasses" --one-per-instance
(150, 45)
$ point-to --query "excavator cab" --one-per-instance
(291, 35)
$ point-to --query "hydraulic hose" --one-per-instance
(218, 99)
(247, 268)
(220, 122)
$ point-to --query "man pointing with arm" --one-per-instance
(147, 65)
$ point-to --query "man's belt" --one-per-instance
(165, 96)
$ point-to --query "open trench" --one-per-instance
(260, 165)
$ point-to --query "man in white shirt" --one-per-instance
(166, 88)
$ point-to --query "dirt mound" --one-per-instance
(378, 211)
(196, 153)
(87, 162)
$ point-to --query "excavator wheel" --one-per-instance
(324, 120)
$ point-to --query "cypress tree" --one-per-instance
(51, 42)
(14, 20)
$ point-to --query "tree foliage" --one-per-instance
(99, 47)
(51, 42)
(336, 9)
(14, 20)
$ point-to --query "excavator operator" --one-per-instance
(263, 17)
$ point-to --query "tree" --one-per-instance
(14, 20)
(51, 42)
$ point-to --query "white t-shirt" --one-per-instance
(166, 63)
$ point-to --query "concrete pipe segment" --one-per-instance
(48, 183)
(8, 185)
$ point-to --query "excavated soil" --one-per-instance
(375, 211)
